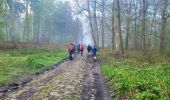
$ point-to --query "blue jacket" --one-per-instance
(94, 50)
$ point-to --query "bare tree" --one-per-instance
(117, 28)
(144, 9)
(103, 17)
(163, 24)
(96, 23)
(90, 22)
(113, 27)
(128, 20)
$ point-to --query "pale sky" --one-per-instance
(87, 38)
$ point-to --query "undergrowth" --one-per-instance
(19, 62)
(137, 76)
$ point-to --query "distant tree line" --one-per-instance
(38, 21)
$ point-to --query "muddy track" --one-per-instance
(26, 79)
(79, 79)
(38, 81)
(94, 84)
(63, 82)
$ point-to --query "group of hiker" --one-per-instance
(80, 49)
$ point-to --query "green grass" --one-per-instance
(133, 79)
(18, 62)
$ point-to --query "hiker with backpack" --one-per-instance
(89, 49)
(81, 49)
(94, 52)
(71, 50)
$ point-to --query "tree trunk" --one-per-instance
(117, 28)
(152, 24)
(103, 16)
(26, 26)
(128, 25)
(96, 25)
(144, 9)
(90, 22)
(135, 28)
(163, 25)
(113, 33)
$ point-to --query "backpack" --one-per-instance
(70, 47)
(81, 47)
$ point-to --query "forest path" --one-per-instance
(94, 84)
(62, 83)
(71, 80)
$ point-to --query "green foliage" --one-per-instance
(2, 25)
(2, 8)
(15, 63)
(133, 79)
(2, 36)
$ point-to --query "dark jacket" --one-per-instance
(89, 48)
(94, 50)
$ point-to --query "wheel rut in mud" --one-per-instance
(94, 84)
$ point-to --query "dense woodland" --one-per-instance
(132, 24)
(123, 24)
(38, 21)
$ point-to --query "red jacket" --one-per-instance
(69, 47)
(81, 47)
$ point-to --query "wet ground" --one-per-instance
(94, 84)
(79, 79)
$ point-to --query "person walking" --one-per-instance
(89, 48)
(94, 52)
(81, 49)
(70, 49)
(78, 48)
